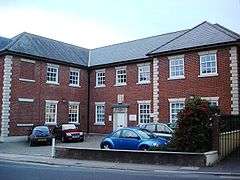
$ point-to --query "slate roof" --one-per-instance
(131, 50)
(201, 35)
(39, 46)
(3, 42)
(204, 34)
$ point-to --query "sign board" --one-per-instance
(132, 117)
(110, 118)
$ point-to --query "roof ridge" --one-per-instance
(150, 52)
(140, 39)
(27, 33)
(14, 41)
(220, 26)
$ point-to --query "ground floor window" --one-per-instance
(51, 112)
(73, 112)
(176, 105)
(144, 110)
(212, 101)
(100, 113)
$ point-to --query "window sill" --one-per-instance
(100, 86)
(121, 84)
(176, 78)
(208, 75)
(50, 123)
(74, 85)
(142, 83)
(53, 83)
(76, 123)
(26, 80)
(99, 124)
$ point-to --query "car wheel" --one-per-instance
(106, 146)
(144, 148)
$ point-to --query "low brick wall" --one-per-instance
(125, 156)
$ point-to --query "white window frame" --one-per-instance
(172, 59)
(97, 73)
(55, 115)
(54, 66)
(78, 77)
(145, 102)
(142, 66)
(117, 69)
(207, 53)
(172, 101)
(96, 120)
(211, 99)
(73, 103)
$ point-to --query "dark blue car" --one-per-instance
(132, 139)
(40, 135)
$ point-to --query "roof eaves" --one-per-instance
(151, 52)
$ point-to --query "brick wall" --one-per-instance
(132, 93)
(34, 112)
(218, 86)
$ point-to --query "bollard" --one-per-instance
(53, 147)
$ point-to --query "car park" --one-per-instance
(132, 139)
(40, 135)
(158, 129)
(68, 132)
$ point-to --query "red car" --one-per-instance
(68, 132)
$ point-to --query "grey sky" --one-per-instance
(94, 23)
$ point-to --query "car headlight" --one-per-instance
(81, 133)
(68, 134)
(155, 144)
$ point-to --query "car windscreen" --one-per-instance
(42, 130)
(68, 126)
(143, 135)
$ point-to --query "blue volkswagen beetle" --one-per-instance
(132, 139)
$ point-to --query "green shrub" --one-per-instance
(194, 126)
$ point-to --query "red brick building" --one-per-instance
(49, 82)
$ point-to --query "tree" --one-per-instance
(194, 126)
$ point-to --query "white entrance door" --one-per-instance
(120, 121)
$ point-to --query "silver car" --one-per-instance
(158, 129)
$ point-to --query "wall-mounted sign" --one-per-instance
(132, 117)
(110, 118)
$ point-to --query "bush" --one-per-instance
(194, 126)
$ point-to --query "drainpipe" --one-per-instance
(88, 103)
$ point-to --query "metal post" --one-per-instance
(53, 147)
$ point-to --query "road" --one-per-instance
(33, 171)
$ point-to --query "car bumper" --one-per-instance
(42, 140)
(74, 138)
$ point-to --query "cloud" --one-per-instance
(64, 27)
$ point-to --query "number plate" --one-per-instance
(42, 140)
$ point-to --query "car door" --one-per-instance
(163, 131)
(129, 140)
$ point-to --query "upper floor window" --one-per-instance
(144, 110)
(121, 76)
(176, 105)
(100, 113)
(100, 78)
(208, 63)
(73, 112)
(52, 73)
(176, 67)
(74, 77)
(51, 112)
(144, 73)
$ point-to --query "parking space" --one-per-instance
(91, 141)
